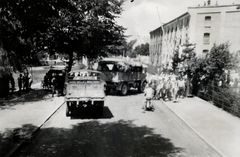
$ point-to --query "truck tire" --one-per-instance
(142, 86)
(124, 89)
(67, 112)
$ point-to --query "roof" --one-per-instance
(160, 28)
(59, 67)
(214, 6)
(114, 59)
(86, 70)
(122, 60)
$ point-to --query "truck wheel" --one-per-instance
(124, 89)
(67, 112)
(142, 87)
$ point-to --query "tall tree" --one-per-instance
(128, 46)
(65, 26)
(142, 49)
(218, 61)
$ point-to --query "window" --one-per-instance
(207, 26)
(208, 18)
(206, 38)
(205, 51)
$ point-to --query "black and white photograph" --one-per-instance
(119, 78)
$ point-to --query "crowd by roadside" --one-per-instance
(22, 84)
(168, 86)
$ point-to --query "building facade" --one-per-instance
(203, 26)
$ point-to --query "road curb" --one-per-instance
(195, 131)
(21, 144)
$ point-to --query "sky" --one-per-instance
(142, 16)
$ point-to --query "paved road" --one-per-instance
(123, 130)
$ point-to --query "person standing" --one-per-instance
(30, 81)
(175, 89)
(169, 89)
(20, 83)
(181, 89)
(25, 80)
(148, 93)
(54, 84)
(12, 82)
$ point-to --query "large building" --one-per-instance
(202, 26)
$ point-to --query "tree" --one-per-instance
(21, 22)
(236, 61)
(128, 46)
(185, 60)
(218, 61)
(142, 49)
(87, 28)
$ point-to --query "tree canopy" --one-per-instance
(142, 49)
(87, 28)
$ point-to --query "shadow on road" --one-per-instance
(12, 137)
(94, 139)
(32, 95)
(107, 114)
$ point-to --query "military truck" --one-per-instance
(122, 75)
(85, 92)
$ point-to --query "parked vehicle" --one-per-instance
(122, 75)
(59, 72)
(85, 91)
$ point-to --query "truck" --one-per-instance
(85, 92)
(122, 75)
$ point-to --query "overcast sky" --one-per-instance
(142, 16)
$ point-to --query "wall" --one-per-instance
(224, 26)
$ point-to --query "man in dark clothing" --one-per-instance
(54, 84)
(20, 83)
(25, 80)
(12, 82)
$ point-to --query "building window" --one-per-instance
(208, 18)
(206, 38)
(205, 51)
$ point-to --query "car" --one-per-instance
(85, 91)
(60, 73)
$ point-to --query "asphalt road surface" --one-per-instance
(124, 130)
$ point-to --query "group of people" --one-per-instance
(24, 81)
(167, 87)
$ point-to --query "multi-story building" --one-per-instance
(202, 26)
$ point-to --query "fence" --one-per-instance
(222, 97)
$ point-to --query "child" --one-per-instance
(148, 93)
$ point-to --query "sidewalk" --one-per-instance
(218, 128)
(21, 116)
